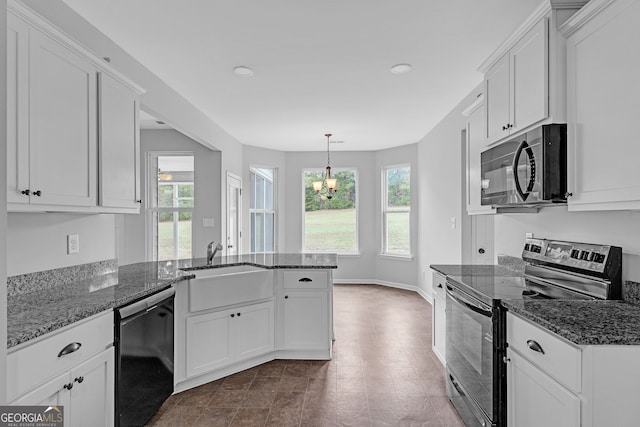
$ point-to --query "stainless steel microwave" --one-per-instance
(527, 171)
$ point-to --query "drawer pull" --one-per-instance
(79, 380)
(440, 285)
(533, 345)
(68, 386)
(70, 348)
(305, 279)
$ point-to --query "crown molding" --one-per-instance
(474, 106)
(584, 15)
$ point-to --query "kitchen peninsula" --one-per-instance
(290, 316)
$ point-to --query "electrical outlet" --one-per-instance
(73, 244)
(529, 235)
(453, 222)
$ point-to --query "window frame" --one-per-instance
(274, 204)
(150, 210)
(356, 252)
(385, 210)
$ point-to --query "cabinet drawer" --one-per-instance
(439, 283)
(34, 364)
(305, 279)
(560, 360)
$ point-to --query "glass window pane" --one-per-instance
(165, 195)
(398, 187)
(259, 192)
(259, 232)
(173, 238)
(185, 190)
(397, 236)
(268, 232)
(268, 195)
(252, 196)
(253, 231)
(331, 224)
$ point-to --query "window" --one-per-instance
(171, 202)
(261, 209)
(331, 225)
(396, 211)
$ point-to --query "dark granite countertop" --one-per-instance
(36, 310)
(583, 322)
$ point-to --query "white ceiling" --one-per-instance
(320, 65)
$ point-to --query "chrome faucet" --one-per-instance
(211, 252)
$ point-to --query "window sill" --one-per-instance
(397, 257)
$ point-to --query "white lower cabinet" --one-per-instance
(535, 399)
(553, 382)
(231, 319)
(83, 381)
(215, 340)
(305, 320)
(438, 316)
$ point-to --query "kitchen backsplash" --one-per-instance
(31, 282)
(511, 262)
(631, 292)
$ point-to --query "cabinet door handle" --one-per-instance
(139, 201)
(305, 279)
(68, 386)
(233, 315)
(481, 250)
(239, 314)
(533, 345)
(26, 192)
(286, 297)
(37, 193)
(78, 380)
(566, 195)
(70, 348)
(504, 127)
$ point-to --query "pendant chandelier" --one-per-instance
(328, 186)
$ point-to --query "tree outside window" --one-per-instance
(397, 211)
(330, 225)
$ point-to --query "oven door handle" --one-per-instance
(468, 303)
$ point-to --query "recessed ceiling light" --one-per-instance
(243, 71)
(401, 68)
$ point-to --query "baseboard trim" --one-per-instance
(388, 284)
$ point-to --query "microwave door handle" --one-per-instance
(516, 180)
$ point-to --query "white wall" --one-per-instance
(613, 228)
(3, 201)
(440, 183)
(271, 159)
(38, 241)
(208, 198)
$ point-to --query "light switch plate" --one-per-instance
(208, 222)
(73, 244)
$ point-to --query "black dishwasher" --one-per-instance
(144, 357)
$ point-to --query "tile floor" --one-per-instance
(383, 373)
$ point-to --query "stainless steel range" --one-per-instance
(476, 321)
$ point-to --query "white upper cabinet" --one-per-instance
(62, 123)
(525, 78)
(56, 119)
(603, 65)
(119, 145)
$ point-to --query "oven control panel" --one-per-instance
(583, 256)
